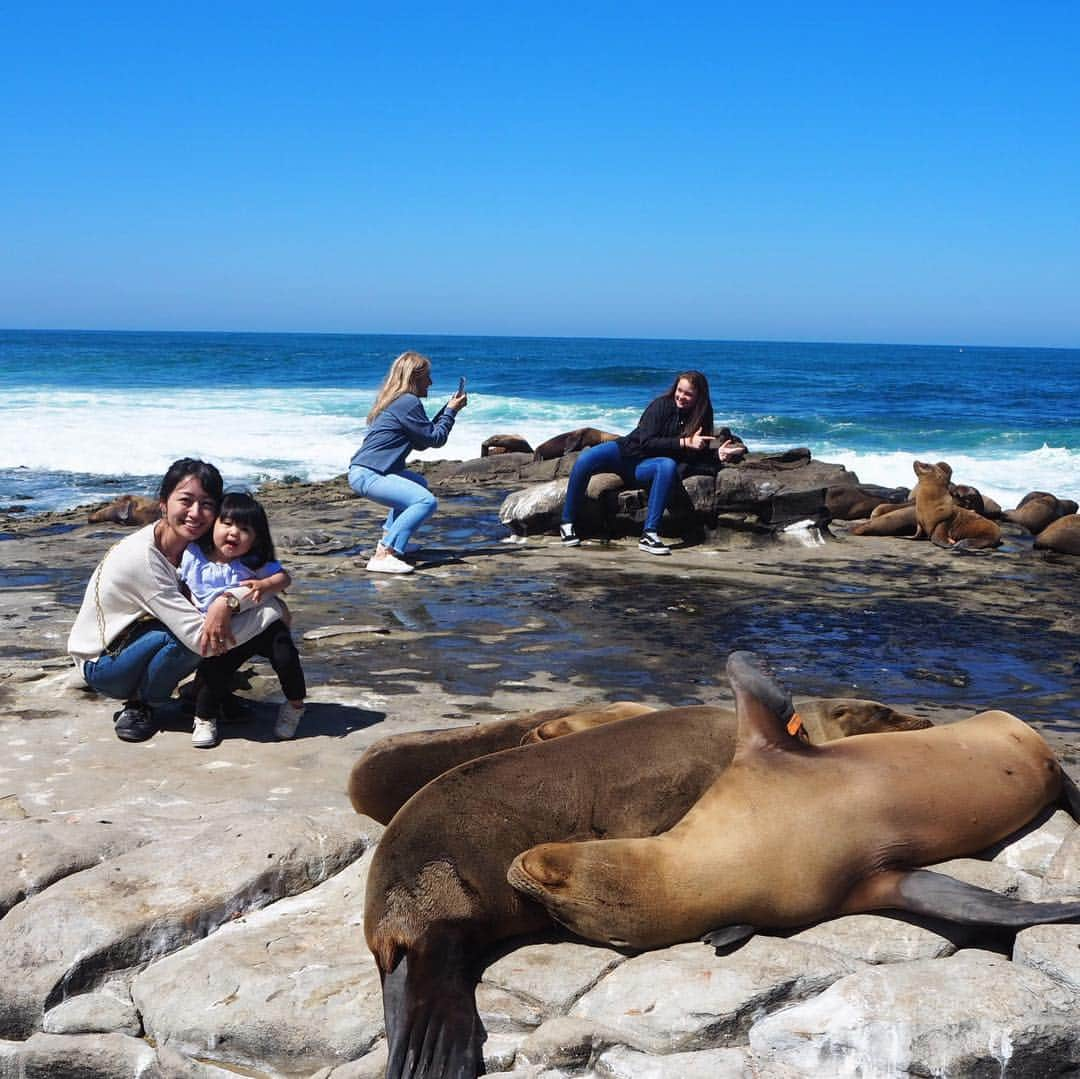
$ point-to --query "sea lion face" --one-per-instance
(939, 473)
(829, 718)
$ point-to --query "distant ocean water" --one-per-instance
(80, 411)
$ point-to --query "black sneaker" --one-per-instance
(134, 722)
(651, 543)
(568, 536)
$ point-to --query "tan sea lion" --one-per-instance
(127, 510)
(740, 860)
(1037, 509)
(437, 898)
(571, 442)
(504, 444)
(1062, 535)
(392, 770)
(896, 521)
(940, 519)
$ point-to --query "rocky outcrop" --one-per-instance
(765, 492)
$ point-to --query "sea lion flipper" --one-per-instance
(433, 1030)
(762, 705)
(924, 892)
(723, 939)
(1070, 795)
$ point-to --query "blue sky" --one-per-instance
(844, 172)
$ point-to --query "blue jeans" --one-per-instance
(407, 495)
(658, 472)
(146, 669)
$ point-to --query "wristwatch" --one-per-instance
(232, 601)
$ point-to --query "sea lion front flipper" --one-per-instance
(433, 1030)
(922, 891)
(723, 939)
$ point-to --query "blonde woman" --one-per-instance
(397, 423)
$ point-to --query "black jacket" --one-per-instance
(659, 430)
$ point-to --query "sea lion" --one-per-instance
(127, 510)
(895, 521)
(1062, 535)
(437, 898)
(853, 501)
(1038, 509)
(391, 771)
(571, 442)
(740, 860)
(504, 444)
(940, 519)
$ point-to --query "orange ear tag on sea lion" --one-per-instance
(794, 725)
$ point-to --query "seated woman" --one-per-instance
(137, 635)
(676, 428)
(397, 424)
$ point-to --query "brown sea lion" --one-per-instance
(738, 861)
(1062, 535)
(437, 899)
(897, 521)
(1037, 509)
(940, 519)
(571, 442)
(852, 501)
(504, 444)
(127, 510)
(392, 770)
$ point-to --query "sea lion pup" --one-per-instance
(437, 899)
(853, 501)
(1062, 535)
(941, 520)
(391, 771)
(735, 862)
(891, 521)
(571, 442)
(127, 510)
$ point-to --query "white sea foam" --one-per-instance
(256, 433)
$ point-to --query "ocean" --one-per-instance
(85, 416)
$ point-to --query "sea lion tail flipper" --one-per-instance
(922, 891)
(762, 705)
(723, 939)
(433, 1030)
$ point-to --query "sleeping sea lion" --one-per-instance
(571, 442)
(392, 770)
(853, 501)
(437, 899)
(127, 510)
(739, 859)
(504, 444)
(1038, 509)
(1062, 535)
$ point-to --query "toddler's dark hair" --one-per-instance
(239, 508)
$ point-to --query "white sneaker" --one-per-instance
(388, 563)
(204, 736)
(288, 719)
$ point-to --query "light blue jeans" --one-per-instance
(658, 472)
(146, 669)
(407, 495)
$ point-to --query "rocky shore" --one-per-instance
(174, 912)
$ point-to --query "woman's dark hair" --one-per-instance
(239, 508)
(701, 413)
(205, 473)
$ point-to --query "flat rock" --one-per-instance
(687, 997)
(552, 975)
(876, 938)
(1033, 851)
(110, 1011)
(85, 1056)
(291, 988)
(623, 1063)
(151, 901)
(974, 1013)
(1052, 949)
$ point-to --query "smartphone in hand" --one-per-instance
(461, 385)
